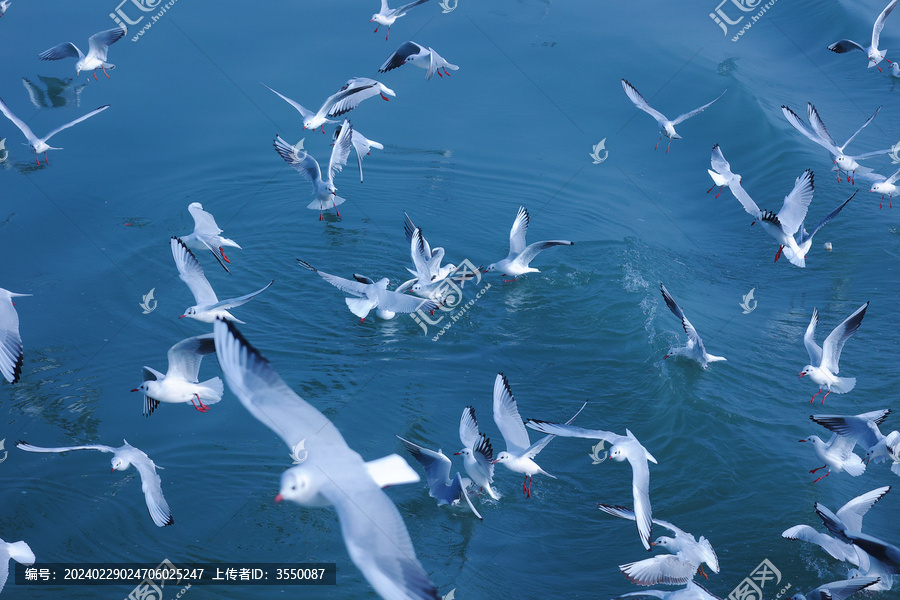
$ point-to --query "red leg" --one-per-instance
(445, 72)
(46, 158)
(376, 29)
(104, 72)
(711, 189)
(814, 396)
(657, 143)
(37, 157)
(778, 254)
(320, 214)
(222, 251)
(667, 145)
(439, 74)
(819, 469)
(202, 408)
(822, 477)
(720, 191)
(825, 396)
(95, 74)
(524, 487)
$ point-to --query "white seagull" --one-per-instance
(477, 453)
(308, 167)
(123, 457)
(824, 367)
(817, 133)
(837, 454)
(95, 58)
(206, 235)
(19, 552)
(864, 429)
(437, 473)
(373, 295)
(208, 306)
(520, 256)
(884, 552)
(361, 144)
(416, 54)
(4, 6)
(694, 349)
(837, 590)
(622, 447)
(344, 100)
(37, 144)
(180, 384)
(686, 559)
(332, 474)
(874, 55)
(804, 238)
(886, 185)
(787, 222)
(387, 15)
(520, 452)
(11, 354)
(666, 126)
(721, 171)
(692, 591)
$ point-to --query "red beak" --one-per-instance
(457, 453)
(801, 375)
(279, 498)
(182, 316)
(135, 390)
(801, 440)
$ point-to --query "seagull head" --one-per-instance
(489, 268)
(298, 484)
(119, 464)
(502, 458)
(663, 541)
(879, 188)
(616, 453)
(141, 388)
(463, 452)
(189, 312)
(846, 163)
(806, 371)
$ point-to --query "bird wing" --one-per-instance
(718, 162)
(869, 120)
(534, 249)
(468, 428)
(746, 201)
(573, 431)
(852, 512)
(834, 343)
(99, 43)
(186, 355)
(696, 111)
(419, 257)
(340, 152)
(398, 58)
(678, 312)
(823, 222)
(345, 285)
(506, 416)
(879, 22)
(839, 590)
(842, 46)
(796, 204)
(190, 272)
(29, 448)
(25, 129)
(204, 223)
(76, 121)
(152, 487)
(436, 464)
(64, 50)
(11, 354)
(240, 300)
(669, 569)
(836, 548)
(803, 128)
(406, 7)
(818, 125)
(623, 512)
(638, 100)
(640, 488)
(463, 494)
(809, 340)
(434, 63)
(403, 303)
(151, 374)
(536, 447)
(518, 231)
(301, 160)
(351, 94)
(304, 113)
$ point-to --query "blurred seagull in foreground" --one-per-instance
(343, 101)
(123, 457)
(96, 57)
(415, 54)
(18, 551)
(666, 126)
(518, 261)
(373, 295)
(180, 383)
(37, 144)
(208, 306)
(437, 473)
(824, 367)
(308, 167)
(874, 55)
(694, 350)
(333, 474)
(11, 353)
(387, 15)
(206, 235)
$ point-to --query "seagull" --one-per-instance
(477, 453)
(308, 167)
(96, 57)
(694, 350)
(787, 222)
(429, 273)
(361, 144)
(40, 144)
(332, 475)
(622, 447)
(823, 367)
(818, 134)
(437, 472)
(886, 186)
(206, 235)
(667, 127)
(372, 294)
(863, 428)
(4, 6)
(837, 590)
(416, 54)
(18, 551)
(179, 384)
(837, 454)
(874, 55)
(852, 514)
(885, 553)
(123, 457)
(721, 171)
(387, 15)
(692, 591)
(520, 452)
(208, 306)
(11, 355)
(343, 101)
(520, 256)
(687, 554)
(804, 239)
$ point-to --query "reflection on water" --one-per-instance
(53, 92)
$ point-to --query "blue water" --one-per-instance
(538, 87)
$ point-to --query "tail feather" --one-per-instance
(854, 466)
(843, 385)
(216, 387)
(21, 552)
